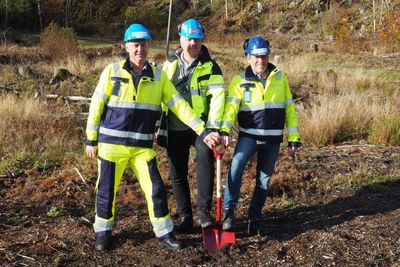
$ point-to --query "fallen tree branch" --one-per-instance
(80, 175)
(26, 257)
(70, 98)
(366, 145)
(70, 114)
(29, 258)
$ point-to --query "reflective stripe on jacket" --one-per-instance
(122, 114)
(262, 112)
(206, 87)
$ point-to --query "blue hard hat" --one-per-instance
(135, 32)
(191, 28)
(256, 46)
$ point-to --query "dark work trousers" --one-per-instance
(179, 143)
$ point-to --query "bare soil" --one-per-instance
(311, 217)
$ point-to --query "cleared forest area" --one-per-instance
(334, 204)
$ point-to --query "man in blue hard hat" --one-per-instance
(198, 79)
(260, 98)
(120, 130)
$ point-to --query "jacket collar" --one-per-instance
(203, 57)
(147, 70)
(250, 75)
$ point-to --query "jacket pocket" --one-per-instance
(117, 84)
(108, 117)
(162, 132)
(116, 88)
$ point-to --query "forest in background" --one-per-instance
(352, 25)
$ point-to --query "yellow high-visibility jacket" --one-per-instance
(206, 87)
(120, 113)
(262, 112)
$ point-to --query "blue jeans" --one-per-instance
(267, 154)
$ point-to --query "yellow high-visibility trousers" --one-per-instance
(112, 162)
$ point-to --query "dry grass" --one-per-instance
(337, 118)
(31, 132)
(82, 66)
(344, 101)
(230, 58)
(341, 100)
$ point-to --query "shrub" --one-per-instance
(59, 42)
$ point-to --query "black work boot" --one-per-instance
(103, 241)
(206, 220)
(170, 242)
(255, 228)
(185, 226)
(228, 220)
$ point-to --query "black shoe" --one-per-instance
(186, 225)
(171, 244)
(255, 228)
(206, 220)
(103, 242)
(228, 220)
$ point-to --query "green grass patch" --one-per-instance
(15, 220)
(45, 165)
(363, 85)
(358, 180)
(385, 130)
(389, 75)
(285, 202)
(94, 43)
(16, 163)
(55, 212)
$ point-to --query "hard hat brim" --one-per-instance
(192, 36)
(259, 52)
(131, 40)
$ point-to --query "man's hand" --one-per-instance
(91, 151)
(292, 150)
(212, 139)
(293, 147)
(226, 140)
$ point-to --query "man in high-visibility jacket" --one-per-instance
(198, 79)
(124, 109)
(260, 98)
